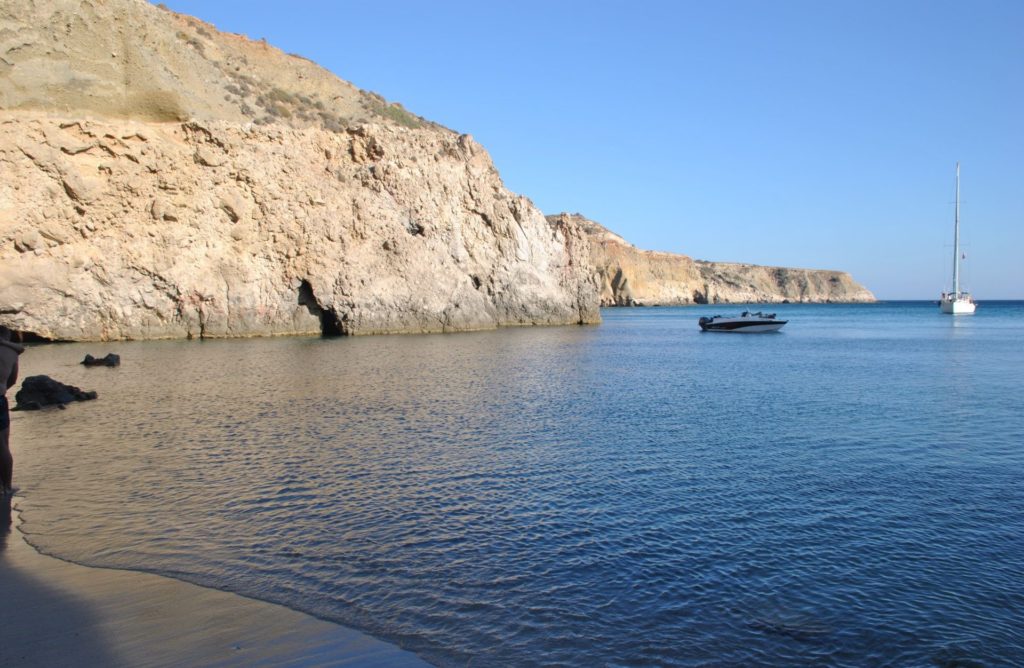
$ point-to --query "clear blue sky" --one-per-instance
(805, 133)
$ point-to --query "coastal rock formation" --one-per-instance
(115, 230)
(110, 359)
(164, 180)
(40, 391)
(629, 276)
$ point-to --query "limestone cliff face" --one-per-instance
(630, 276)
(115, 230)
(161, 180)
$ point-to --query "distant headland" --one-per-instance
(629, 276)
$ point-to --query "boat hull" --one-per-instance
(957, 306)
(744, 327)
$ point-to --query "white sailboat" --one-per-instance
(957, 302)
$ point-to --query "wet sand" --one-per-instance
(53, 612)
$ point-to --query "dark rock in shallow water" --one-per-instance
(39, 391)
(110, 360)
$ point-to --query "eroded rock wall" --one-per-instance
(114, 229)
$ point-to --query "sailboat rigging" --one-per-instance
(957, 302)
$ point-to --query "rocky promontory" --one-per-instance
(162, 179)
(629, 276)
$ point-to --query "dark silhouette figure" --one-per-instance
(9, 352)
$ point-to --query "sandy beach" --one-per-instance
(58, 613)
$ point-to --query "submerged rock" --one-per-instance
(39, 391)
(109, 360)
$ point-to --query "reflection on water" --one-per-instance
(636, 493)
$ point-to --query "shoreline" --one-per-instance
(57, 612)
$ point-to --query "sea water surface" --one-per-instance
(848, 491)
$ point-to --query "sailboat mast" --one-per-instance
(956, 238)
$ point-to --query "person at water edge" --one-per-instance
(9, 352)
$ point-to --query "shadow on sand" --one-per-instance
(42, 626)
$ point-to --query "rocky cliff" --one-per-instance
(163, 179)
(630, 276)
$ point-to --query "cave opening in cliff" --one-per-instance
(25, 336)
(329, 323)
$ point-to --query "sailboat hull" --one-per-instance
(957, 306)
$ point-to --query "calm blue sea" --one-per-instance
(848, 491)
